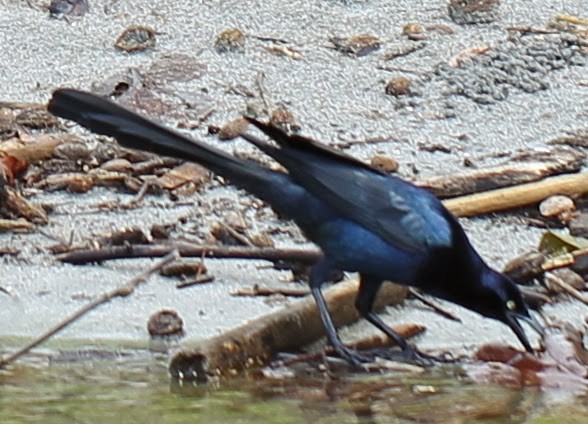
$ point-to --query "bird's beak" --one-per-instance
(513, 322)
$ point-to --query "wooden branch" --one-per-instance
(188, 250)
(521, 169)
(517, 196)
(256, 342)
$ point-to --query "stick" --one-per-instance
(256, 342)
(433, 305)
(522, 169)
(553, 279)
(517, 196)
(188, 250)
(122, 291)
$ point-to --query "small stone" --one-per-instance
(473, 11)
(63, 8)
(385, 163)
(165, 323)
(230, 40)
(232, 129)
(578, 225)
(399, 86)
(414, 31)
(357, 45)
(558, 206)
(283, 119)
(160, 232)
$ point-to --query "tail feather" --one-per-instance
(133, 131)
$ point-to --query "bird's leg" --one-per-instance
(368, 289)
(318, 275)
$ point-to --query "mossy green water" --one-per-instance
(125, 388)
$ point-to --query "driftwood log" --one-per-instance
(256, 342)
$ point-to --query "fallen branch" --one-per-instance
(187, 250)
(122, 291)
(256, 342)
(517, 196)
(518, 170)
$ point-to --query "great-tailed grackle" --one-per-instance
(364, 221)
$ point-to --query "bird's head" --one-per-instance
(502, 300)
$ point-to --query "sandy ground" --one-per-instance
(334, 97)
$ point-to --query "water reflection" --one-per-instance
(137, 388)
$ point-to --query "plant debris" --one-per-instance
(136, 39)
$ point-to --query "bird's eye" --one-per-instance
(511, 305)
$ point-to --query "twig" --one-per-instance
(263, 91)
(7, 291)
(272, 39)
(187, 250)
(433, 305)
(122, 291)
(572, 20)
(147, 184)
(200, 279)
(553, 279)
(241, 238)
(257, 290)
(199, 121)
(531, 30)
(345, 144)
(404, 51)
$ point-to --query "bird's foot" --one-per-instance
(409, 354)
(352, 356)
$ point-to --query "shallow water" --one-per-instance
(127, 388)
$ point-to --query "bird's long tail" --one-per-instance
(134, 131)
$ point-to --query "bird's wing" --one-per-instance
(402, 214)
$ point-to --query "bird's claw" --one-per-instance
(410, 355)
(353, 357)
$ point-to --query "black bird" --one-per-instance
(364, 221)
